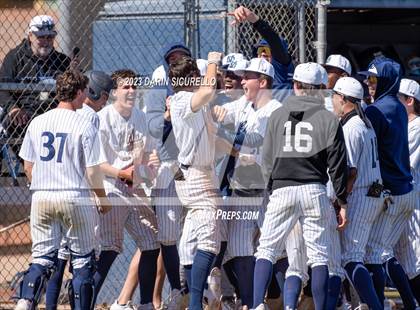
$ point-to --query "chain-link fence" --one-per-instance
(107, 35)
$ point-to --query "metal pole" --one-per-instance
(321, 44)
(301, 29)
(64, 27)
(192, 29)
(230, 32)
(197, 21)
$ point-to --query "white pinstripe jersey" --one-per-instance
(191, 137)
(61, 144)
(362, 151)
(89, 113)
(119, 138)
(414, 149)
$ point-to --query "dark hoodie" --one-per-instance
(21, 66)
(390, 121)
(281, 60)
(155, 100)
(303, 140)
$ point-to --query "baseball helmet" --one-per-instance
(98, 82)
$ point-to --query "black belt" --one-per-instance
(185, 166)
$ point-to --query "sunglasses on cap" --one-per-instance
(44, 26)
(264, 49)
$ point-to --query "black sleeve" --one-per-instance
(279, 53)
(7, 74)
(337, 165)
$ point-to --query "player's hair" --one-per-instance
(69, 83)
(269, 80)
(310, 90)
(416, 104)
(184, 67)
(119, 75)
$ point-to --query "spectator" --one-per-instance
(32, 61)
(273, 48)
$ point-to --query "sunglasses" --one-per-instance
(44, 26)
(49, 37)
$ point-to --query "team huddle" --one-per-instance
(275, 178)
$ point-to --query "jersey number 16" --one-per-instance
(302, 142)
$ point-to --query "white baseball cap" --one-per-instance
(258, 65)
(202, 66)
(340, 62)
(42, 25)
(410, 88)
(349, 86)
(230, 61)
(310, 73)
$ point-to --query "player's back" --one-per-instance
(302, 137)
(362, 150)
(60, 143)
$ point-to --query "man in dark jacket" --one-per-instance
(273, 48)
(33, 61)
(390, 122)
(301, 142)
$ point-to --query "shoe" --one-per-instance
(23, 304)
(214, 291)
(231, 303)
(362, 307)
(127, 306)
(175, 300)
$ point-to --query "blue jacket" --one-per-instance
(390, 121)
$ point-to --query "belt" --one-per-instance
(186, 167)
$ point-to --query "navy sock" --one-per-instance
(262, 276)
(400, 280)
(273, 290)
(378, 278)
(292, 288)
(244, 269)
(106, 258)
(334, 288)
(147, 275)
(202, 264)
(415, 287)
(187, 274)
(233, 279)
(171, 262)
(219, 257)
(363, 284)
(320, 286)
(54, 285)
(280, 268)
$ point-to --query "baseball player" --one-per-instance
(390, 122)
(195, 181)
(337, 66)
(364, 186)
(302, 140)
(408, 248)
(98, 89)
(248, 195)
(123, 135)
(61, 153)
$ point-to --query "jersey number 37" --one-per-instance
(49, 145)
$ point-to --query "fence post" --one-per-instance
(321, 43)
(301, 32)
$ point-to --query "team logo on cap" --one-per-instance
(373, 69)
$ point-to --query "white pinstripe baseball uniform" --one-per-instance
(199, 191)
(248, 176)
(119, 137)
(61, 144)
(88, 113)
(363, 211)
(408, 248)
